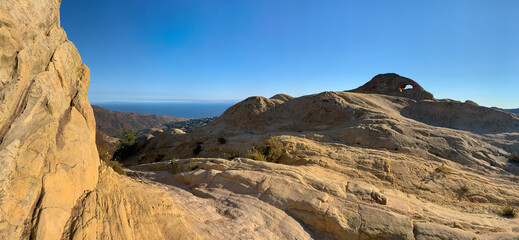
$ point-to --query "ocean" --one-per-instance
(173, 109)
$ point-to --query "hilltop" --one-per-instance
(112, 122)
(352, 158)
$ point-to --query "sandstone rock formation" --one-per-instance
(50, 184)
(47, 159)
(394, 85)
(355, 165)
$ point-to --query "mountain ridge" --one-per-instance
(113, 122)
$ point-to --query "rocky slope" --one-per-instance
(355, 165)
(431, 169)
(111, 122)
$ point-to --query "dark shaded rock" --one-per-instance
(394, 85)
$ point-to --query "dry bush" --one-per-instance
(443, 169)
(508, 211)
(271, 151)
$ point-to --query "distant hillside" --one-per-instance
(516, 110)
(111, 122)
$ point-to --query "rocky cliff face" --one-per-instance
(51, 183)
(48, 160)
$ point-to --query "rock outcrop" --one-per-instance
(356, 165)
(50, 179)
(47, 157)
(394, 85)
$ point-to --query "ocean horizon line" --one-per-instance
(173, 101)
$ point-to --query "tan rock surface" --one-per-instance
(50, 184)
(382, 162)
(47, 160)
(357, 165)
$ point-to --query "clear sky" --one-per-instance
(166, 50)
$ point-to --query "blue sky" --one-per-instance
(163, 50)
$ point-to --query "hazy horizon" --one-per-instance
(214, 51)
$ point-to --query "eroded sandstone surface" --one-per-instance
(51, 184)
(356, 165)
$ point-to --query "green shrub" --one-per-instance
(105, 156)
(106, 153)
(228, 154)
(233, 155)
(116, 166)
(508, 211)
(192, 165)
(127, 145)
(256, 154)
(443, 169)
(128, 138)
(272, 151)
(514, 158)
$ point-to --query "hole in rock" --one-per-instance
(406, 87)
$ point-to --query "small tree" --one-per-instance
(126, 145)
(128, 138)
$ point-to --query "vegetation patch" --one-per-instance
(228, 154)
(464, 189)
(514, 158)
(127, 145)
(116, 166)
(273, 150)
(508, 211)
(192, 165)
(443, 169)
(106, 151)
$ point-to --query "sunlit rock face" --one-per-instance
(47, 157)
(52, 185)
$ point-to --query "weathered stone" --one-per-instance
(430, 231)
(394, 85)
